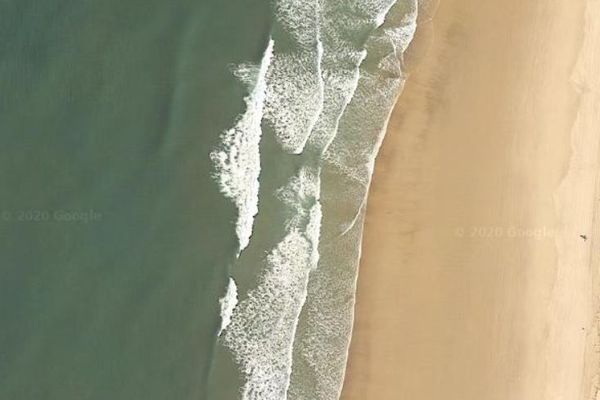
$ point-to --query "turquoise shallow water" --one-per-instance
(183, 191)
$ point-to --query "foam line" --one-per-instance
(228, 303)
(237, 160)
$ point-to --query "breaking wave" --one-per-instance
(237, 160)
(228, 303)
(323, 95)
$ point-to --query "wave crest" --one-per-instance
(237, 160)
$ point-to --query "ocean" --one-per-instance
(184, 189)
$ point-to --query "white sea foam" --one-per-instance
(261, 332)
(366, 118)
(353, 152)
(295, 87)
(341, 22)
(237, 160)
(263, 325)
(322, 340)
(228, 303)
(325, 93)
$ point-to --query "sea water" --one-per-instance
(184, 186)
(328, 79)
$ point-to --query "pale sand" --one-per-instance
(495, 138)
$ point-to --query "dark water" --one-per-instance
(115, 243)
(168, 166)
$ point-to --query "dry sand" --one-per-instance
(474, 280)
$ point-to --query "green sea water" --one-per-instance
(183, 186)
(115, 243)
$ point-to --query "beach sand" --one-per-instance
(475, 281)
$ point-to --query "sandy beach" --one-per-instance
(478, 277)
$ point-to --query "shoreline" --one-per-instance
(496, 131)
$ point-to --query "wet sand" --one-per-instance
(477, 278)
